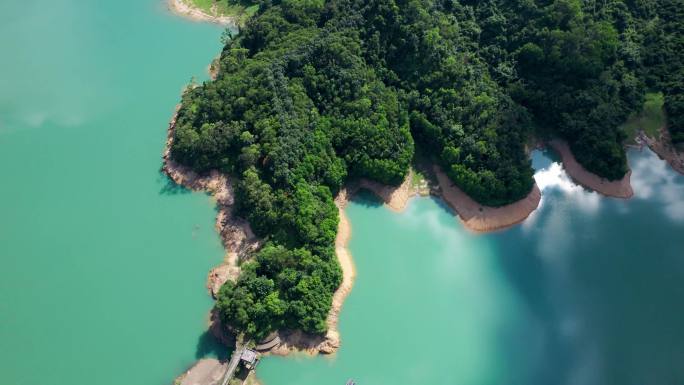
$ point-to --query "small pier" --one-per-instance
(248, 357)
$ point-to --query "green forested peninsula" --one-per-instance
(662, 25)
(312, 93)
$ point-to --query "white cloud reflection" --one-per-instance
(554, 222)
(555, 177)
(653, 179)
(64, 116)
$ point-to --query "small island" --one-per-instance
(315, 99)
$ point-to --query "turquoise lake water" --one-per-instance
(102, 267)
(103, 263)
(587, 291)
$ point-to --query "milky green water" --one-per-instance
(587, 291)
(103, 264)
(102, 268)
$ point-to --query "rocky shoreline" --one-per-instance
(236, 235)
(239, 240)
(664, 148)
(182, 8)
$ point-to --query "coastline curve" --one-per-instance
(480, 218)
(183, 9)
(617, 189)
(239, 240)
(665, 149)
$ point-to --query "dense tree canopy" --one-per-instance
(662, 23)
(312, 93)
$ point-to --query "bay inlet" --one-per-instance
(585, 291)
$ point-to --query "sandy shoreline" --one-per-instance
(617, 189)
(206, 371)
(297, 342)
(182, 8)
(481, 218)
(473, 216)
(396, 198)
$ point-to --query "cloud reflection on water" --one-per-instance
(652, 178)
(567, 217)
(556, 222)
(554, 177)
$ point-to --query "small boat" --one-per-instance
(350, 382)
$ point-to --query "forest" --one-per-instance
(312, 94)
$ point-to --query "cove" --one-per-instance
(103, 262)
(585, 291)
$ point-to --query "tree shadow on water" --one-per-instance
(209, 346)
(441, 203)
(169, 187)
(366, 198)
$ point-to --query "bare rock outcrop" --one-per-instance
(664, 148)
(236, 234)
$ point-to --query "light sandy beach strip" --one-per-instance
(185, 9)
(617, 189)
(481, 218)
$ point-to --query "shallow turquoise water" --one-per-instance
(102, 267)
(103, 264)
(586, 291)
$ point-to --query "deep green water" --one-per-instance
(102, 264)
(102, 268)
(587, 291)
